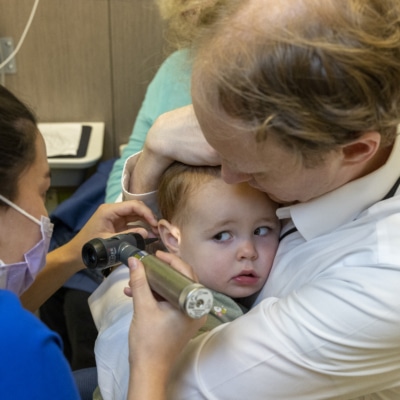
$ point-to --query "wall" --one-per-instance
(85, 60)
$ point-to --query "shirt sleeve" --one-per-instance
(150, 198)
(169, 89)
(32, 365)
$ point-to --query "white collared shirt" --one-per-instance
(327, 323)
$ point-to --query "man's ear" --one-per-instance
(363, 149)
(170, 235)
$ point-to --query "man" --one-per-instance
(301, 99)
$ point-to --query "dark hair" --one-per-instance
(18, 132)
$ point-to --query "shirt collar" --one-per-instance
(326, 213)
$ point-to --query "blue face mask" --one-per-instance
(19, 276)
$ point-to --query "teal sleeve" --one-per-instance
(169, 89)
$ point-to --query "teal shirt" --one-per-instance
(169, 89)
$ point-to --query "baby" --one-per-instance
(228, 233)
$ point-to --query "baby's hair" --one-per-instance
(176, 186)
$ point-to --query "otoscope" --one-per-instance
(191, 297)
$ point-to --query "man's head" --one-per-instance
(318, 79)
(228, 233)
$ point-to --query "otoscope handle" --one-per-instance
(192, 298)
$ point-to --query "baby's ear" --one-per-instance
(170, 235)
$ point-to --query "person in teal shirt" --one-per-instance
(169, 89)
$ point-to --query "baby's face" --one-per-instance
(230, 238)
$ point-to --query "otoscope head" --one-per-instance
(192, 298)
(94, 254)
(104, 253)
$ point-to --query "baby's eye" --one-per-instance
(222, 236)
(261, 231)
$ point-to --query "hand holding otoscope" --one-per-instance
(192, 298)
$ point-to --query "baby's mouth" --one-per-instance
(246, 278)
